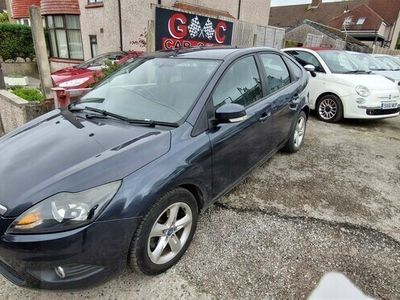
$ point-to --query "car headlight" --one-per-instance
(363, 91)
(74, 82)
(65, 211)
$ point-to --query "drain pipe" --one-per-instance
(121, 45)
(239, 8)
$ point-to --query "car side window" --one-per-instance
(305, 58)
(240, 84)
(277, 74)
(296, 70)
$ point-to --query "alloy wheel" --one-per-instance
(169, 233)
(328, 109)
(299, 131)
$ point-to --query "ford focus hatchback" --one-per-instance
(123, 174)
(343, 88)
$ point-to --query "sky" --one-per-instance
(292, 2)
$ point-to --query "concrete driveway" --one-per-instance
(334, 206)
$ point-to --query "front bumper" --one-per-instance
(371, 107)
(88, 256)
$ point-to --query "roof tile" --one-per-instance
(60, 7)
(20, 8)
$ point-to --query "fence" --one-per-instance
(249, 35)
(381, 50)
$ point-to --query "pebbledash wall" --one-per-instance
(15, 111)
(102, 19)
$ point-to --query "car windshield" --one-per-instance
(370, 62)
(342, 62)
(156, 89)
(392, 63)
(100, 60)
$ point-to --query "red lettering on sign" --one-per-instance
(170, 44)
(177, 26)
(219, 32)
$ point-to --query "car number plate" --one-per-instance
(388, 105)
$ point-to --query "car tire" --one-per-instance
(329, 109)
(161, 240)
(297, 134)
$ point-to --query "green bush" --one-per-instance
(29, 94)
(16, 41)
(3, 17)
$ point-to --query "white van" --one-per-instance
(341, 88)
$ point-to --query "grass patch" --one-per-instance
(28, 94)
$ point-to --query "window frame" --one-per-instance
(64, 28)
(94, 2)
(290, 59)
(292, 80)
(262, 82)
(312, 54)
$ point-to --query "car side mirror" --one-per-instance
(230, 113)
(311, 69)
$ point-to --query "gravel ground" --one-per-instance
(334, 206)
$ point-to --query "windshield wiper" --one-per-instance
(104, 113)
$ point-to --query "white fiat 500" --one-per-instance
(342, 88)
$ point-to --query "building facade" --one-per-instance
(110, 25)
(81, 29)
(371, 21)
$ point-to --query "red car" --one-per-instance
(83, 75)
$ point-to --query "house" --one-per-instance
(313, 34)
(80, 29)
(382, 18)
(365, 24)
(3, 6)
(20, 10)
(123, 24)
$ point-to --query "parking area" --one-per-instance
(334, 206)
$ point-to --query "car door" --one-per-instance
(284, 96)
(318, 83)
(237, 147)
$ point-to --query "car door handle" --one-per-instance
(264, 116)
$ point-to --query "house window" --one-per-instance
(94, 1)
(360, 21)
(26, 22)
(348, 21)
(93, 45)
(65, 36)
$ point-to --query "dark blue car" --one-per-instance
(120, 177)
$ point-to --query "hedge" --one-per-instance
(16, 41)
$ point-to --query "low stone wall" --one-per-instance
(20, 69)
(15, 111)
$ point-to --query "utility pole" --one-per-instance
(39, 41)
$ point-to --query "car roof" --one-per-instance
(315, 49)
(219, 53)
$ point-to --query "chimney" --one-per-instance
(315, 4)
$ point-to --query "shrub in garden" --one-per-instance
(16, 41)
(28, 94)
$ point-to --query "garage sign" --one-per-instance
(176, 29)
